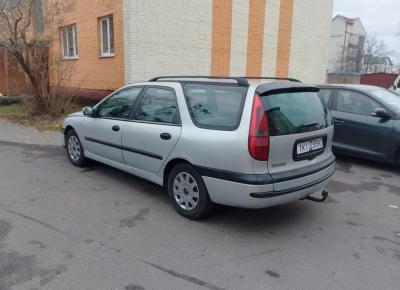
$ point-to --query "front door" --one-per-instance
(356, 130)
(102, 133)
(153, 131)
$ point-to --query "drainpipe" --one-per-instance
(38, 24)
(7, 77)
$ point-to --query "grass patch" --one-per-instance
(12, 111)
(16, 113)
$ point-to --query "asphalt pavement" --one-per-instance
(63, 227)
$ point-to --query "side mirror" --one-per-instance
(88, 111)
(380, 113)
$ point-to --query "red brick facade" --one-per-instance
(12, 77)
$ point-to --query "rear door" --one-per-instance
(300, 132)
(153, 130)
(356, 130)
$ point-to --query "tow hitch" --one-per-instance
(315, 199)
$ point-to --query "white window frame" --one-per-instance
(74, 42)
(102, 52)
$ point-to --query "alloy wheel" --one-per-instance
(186, 191)
(74, 148)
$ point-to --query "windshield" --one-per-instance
(295, 112)
(389, 98)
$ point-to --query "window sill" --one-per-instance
(107, 56)
(70, 58)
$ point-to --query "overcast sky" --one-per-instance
(378, 16)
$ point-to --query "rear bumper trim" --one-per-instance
(262, 179)
(290, 190)
(302, 172)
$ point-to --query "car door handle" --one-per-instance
(338, 121)
(115, 128)
(165, 136)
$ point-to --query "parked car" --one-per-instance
(396, 85)
(367, 121)
(250, 143)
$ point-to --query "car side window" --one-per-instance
(119, 105)
(158, 105)
(324, 94)
(356, 103)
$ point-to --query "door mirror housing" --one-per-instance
(88, 111)
(380, 113)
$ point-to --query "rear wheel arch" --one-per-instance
(171, 164)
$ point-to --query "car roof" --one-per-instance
(363, 88)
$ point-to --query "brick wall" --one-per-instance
(90, 70)
(186, 37)
(179, 37)
(12, 77)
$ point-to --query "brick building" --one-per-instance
(112, 42)
(95, 70)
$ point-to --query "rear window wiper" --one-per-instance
(307, 126)
(273, 109)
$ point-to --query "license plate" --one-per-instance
(309, 146)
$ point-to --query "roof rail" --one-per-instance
(274, 78)
(241, 81)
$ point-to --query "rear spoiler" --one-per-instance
(283, 87)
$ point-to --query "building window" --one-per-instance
(69, 43)
(107, 36)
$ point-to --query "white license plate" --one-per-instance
(309, 146)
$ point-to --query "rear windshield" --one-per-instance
(215, 106)
(295, 112)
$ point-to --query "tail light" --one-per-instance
(258, 133)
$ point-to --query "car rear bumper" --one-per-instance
(270, 193)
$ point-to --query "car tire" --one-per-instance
(188, 192)
(74, 149)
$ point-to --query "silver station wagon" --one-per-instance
(243, 142)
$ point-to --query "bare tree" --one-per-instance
(27, 30)
(374, 48)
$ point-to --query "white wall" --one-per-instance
(240, 27)
(310, 40)
(166, 37)
(271, 29)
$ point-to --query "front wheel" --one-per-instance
(75, 149)
(188, 192)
